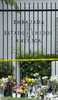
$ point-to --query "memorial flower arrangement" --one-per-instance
(14, 89)
(43, 89)
(54, 80)
(23, 81)
(3, 83)
(30, 81)
(11, 83)
(0, 84)
(57, 87)
(23, 84)
(35, 81)
(1, 87)
(19, 90)
(23, 87)
(44, 80)
(8, 85)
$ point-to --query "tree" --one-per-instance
(9, 2)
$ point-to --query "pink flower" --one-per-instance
(21, 90)
(13, 87)
(17, 89)
(23, 82)
(14, 83)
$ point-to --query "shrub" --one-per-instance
(4, 70)
(28, 68)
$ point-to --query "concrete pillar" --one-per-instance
(54, 68)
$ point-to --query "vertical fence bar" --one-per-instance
(42, 38)
(55, 37)
(11, 37)
(7, 40)
(20, 43)
(24, 37)
(29, 38)
(37, 36)
(16, 43)
(51, 34)
(3, 37)
(33, 38)
(46, 39)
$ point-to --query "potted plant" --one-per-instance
(23, 86)
(3, 83)
(11, 83)
(14, 92)
(19, 91)
(1, 90)
(30, 83)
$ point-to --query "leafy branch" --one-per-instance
(11, 2)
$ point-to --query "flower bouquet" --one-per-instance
(14, 91)
(19, 91)
(3, 83)
(36, 75)
(23, 86)
(11, 83)
(30, 83)
(43, 90)
(53, 80)
(44, 80)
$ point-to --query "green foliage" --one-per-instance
(11, 1)
(28, 67)
(3, 68)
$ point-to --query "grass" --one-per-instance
(10, 98)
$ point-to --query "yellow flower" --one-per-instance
(0, 79)
(28, 79)
(25, 84)
(33, 81)
(31, 84)
(1, 84)
(13, 77)
(19, 91)
(25, 89)
(9, 77)
(14, 89)
(24, 92)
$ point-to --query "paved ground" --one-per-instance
(0, 98)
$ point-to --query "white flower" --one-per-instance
(35, 79)
(54, 78)
(43, 87)
(44, 77)
(6, 79)
(36, 74)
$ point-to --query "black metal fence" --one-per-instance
(48, 12)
